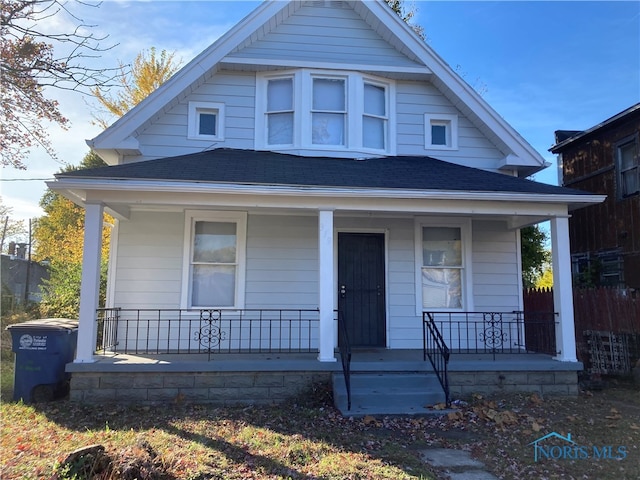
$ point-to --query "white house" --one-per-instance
(320, 157)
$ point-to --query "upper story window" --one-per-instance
(441, 132)
(628, 165)
(319, 110)
(206, 121)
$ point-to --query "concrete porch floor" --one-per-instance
(362, 360)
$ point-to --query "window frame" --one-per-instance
(466, 275)
(208, 108)
(303, 111)
(193, 216)
(630, 140)
(450, 122)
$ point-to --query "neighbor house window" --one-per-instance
(206, 121)
(319, 110)
(628, 167)
(443, 280)
(441, 131)
(214, 259)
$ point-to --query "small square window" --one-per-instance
(206, 121)
(441, 132)
(438, 134)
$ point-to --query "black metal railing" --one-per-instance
(344, 346)
(210, 331)
(496, 332)
(435, 348)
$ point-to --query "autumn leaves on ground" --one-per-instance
(308, 439)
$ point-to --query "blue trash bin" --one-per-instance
(42, 350)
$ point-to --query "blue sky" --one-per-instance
(543, 66)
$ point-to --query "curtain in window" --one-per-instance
(214, 264)
(328, 112)
(441, 267)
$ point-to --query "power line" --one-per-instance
(25, 179)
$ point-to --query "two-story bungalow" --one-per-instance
(317, 185)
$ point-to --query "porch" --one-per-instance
(266, 356)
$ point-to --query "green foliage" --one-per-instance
(58, 238)
(406, 15)
(534, 255)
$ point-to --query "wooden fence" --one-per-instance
(607, 325)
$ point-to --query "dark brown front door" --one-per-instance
(361, 287)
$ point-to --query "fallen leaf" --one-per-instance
(536, 427)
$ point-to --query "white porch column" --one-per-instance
(327, 284)
(563, 289)
(90, 285)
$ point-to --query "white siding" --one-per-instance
(282, 265)
(149, 264)
(325, 34)
(414, 100)
(282, 262)
(166, 136)
(495, 267)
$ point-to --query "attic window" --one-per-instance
(441, 132)
(320, 111)
(206, 121)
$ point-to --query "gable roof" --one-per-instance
(423, 62)
(249, 167)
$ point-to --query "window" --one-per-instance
(206, 121)
(280, 111)
(214, 259)
(319, 110)
(328, 111)
(628, 167)
(441, 131)
(375, 117)
(443, 279)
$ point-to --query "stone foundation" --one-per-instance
(219, 388)
(462, 384)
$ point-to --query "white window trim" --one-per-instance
(303, 82)
(240, 219)
(195, 108)
(450, 121)
(467, 275)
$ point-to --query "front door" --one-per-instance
(361, 287)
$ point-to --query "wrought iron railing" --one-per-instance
(210, 331)
(344, 346)
(435, 348)
(496, 332)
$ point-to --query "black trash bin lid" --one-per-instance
(47, 324)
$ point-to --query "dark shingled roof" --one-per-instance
(249, 167)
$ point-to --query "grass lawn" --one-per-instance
(307, 438)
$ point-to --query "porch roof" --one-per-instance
(249, 167)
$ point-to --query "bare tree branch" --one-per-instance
(32, 59)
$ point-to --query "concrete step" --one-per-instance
(388, 393)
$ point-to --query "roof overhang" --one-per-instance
(121, 196)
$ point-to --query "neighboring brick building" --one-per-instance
(605, 238)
